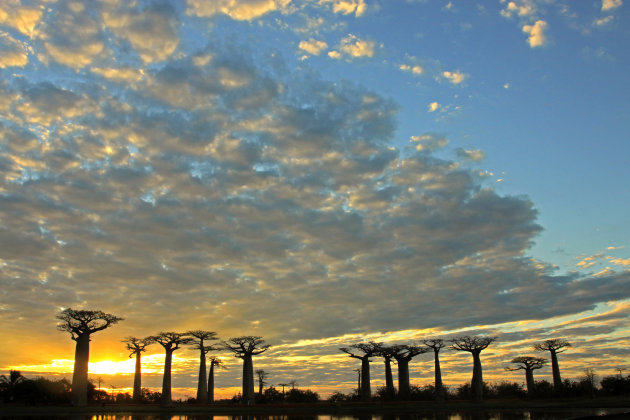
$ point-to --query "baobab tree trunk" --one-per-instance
(555, 369)
(366, 390)
(529, 380)
(137, 380)
(80, 375)
(439, 386)
(403, 378)
(166, 380)
(211, 383)
(389, 380)
(202, 390)
(476, 385)
(248, 380)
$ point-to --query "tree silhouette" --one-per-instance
(10, 383)
(171, 341)
(436, 344)
(368, 349)
(81, 324)
(554, 346)
(529, 365)
(388, 353)
(136, 346)
(403, 354)
(244, 348)
(198, 341)
(474, 345)
(214, 362)
(262, 375)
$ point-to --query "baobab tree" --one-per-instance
(214, 362)
(81, 324)
(436, 344)
(244, 348)
(136, 346)
(554, 346)
(403, 354)
(529, 364)
(171, 341)
(388, 353)
(369, 350)
(199, 338)
(262, 375)
(474, 345)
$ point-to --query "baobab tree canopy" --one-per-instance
(556, 345)
(246, 345)
(81, 322)
(472, 344)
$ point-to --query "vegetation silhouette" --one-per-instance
(554, 346)
(199, 338)
(474, 345)
(81, 324)
(529, 364)
(369, 350)
(171, 341)
(262, 375)
(436, 344)
(136, 346)
(11, 382)
(245, 347)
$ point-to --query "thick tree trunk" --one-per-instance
(476, 385)
(403, 378)
(80, 374)
(555, 369)
(202, 389)
(211, 383)
(366, 389)
(166, 380)
(439, 386)
(529, 380)
(137, 380)
(389, 379)
(248, 380)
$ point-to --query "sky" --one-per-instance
(319, 173)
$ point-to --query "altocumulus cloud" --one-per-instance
(185, 189)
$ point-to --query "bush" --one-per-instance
(615, 385)
(506, 389)
(301, 396)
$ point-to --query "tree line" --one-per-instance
(81, 324)
(474, 345)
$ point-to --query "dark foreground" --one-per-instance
(615, 407)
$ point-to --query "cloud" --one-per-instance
(347, 7)
(536, 33)
(603, 21)
(472, 155)
(236, 9)
(611, 4)
(433, 106)
(354, 47)
(313, 46)
(454, 77)
(24, 18)
(13, 53)
(428, 142)
(522, 8)
(414, 69)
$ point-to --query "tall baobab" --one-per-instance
(474, 345)
(262, 375)
(244, 348)
(368, 350)
(136, 346)
(388, 353)
(403, 354)
(554, 346)
(81, 324)
(529, 365)
(171, 341)
(199, 336)
(436, 344)
(214, 362)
